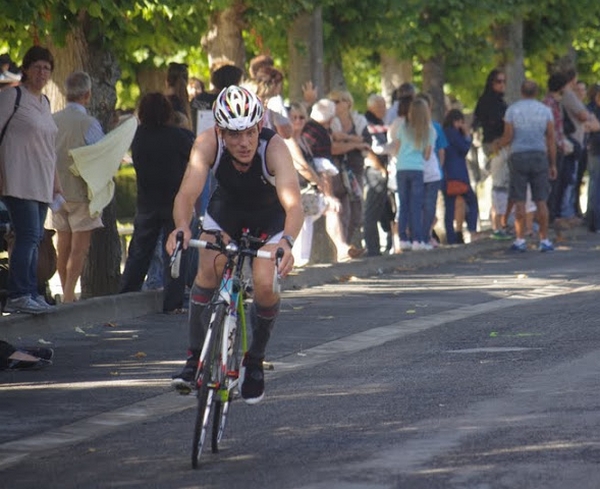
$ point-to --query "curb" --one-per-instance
(97, 310)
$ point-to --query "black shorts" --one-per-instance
(233, 218)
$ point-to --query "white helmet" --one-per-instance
(237, 109)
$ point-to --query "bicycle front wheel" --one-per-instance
(222, 405)
(207, 379)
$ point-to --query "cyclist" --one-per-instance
(257, 190)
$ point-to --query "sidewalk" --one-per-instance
(115, 308)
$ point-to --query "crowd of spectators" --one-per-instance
(379, 180)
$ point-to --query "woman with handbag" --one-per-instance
(30, 180)
(456, 176)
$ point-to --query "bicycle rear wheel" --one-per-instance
(222, 407)
(207, 379)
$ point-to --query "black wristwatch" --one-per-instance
(289, 240)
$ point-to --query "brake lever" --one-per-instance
(276, 275)
(175, 262)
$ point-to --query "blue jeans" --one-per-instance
(429, 205)
(472, 214)
(155, 278)
(147, 228)
(27, 220)
(411, 191)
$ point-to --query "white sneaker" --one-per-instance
(39, 299)
(24, 304)
(406, 246)
(420, 246)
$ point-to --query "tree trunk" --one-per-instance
(151, 80)
(101, 274)
(323, 250)
(433, 84)
(224, 39)
(394, 72)
(67, 59)
(305, 48)
(508, 40)
(299, 43)
(317, 57)
(334, 72)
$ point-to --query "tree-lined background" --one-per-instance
(447, 47)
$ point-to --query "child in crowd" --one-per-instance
(455, 169)
(416, 138)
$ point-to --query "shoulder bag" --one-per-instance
(17, 102)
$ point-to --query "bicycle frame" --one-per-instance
(231, 292)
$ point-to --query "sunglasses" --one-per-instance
(500, 80)
(297, 117)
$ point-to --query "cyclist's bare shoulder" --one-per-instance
(205, 148)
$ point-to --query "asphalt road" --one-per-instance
(478, 374)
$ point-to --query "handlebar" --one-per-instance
(229, 249)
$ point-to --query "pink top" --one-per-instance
(28, 151)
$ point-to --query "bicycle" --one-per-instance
(217, 377)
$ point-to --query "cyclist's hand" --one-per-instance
(287, 261)
(171, 241)
(333, 204)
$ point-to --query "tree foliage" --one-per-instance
(152, 32)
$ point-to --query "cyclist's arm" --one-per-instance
(201, 157)
(280, 164)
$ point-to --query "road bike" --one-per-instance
(218, 376)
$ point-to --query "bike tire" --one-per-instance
(205, 392)
(221, 410)
(218, 425)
